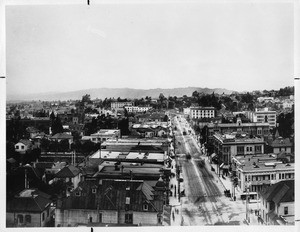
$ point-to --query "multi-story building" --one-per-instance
(114, 202)
(277, 203)
(254, 128)
(139, 109)
(263, 115)
(227, 146)
(202, 112)
(260, 171)
(120, 105)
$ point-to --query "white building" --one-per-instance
(104, 134)
(119, 105)
(265, 99)
(261, 170)
(139, 109)
(202, 112)
(262, 116)
(277, 203)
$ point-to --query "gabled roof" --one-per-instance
(25, 142)
(280, 142)
(29, 200)
(283, 191)
(62, 136)
(147, 190)
(69, 171)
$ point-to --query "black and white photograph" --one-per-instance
(131, 113)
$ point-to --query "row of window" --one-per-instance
(270, 177)
(20, 147)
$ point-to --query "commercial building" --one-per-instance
(137, 109)
(202, 112)
(254, 128)
(260, 171)
(227, 146)
(120, 105)
(262, 115)
(103, 135)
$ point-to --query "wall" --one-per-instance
(291, 211)
(75, 216)
(11, 219)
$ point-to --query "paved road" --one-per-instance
(205, 203)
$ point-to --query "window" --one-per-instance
(48, 212)
(257, 149)
(128, 218)
(100, 217)
(17, 147)
(28, 218)
(78, 194)
(279, 176)
(22, 147)
(20, 218)
(286, 210)
(43, 216)
(91, 219)
(94, 190)
(145, 207)
(240, 149)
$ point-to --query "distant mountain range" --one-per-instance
(103, 93)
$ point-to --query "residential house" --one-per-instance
(278, 145)
(23, 145)
(71, 176)
(62, 136)
(277, 203)
(29, 208)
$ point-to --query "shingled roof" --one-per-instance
(29, 200)
(68, 171)
(283, 191)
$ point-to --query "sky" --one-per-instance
(232, 45)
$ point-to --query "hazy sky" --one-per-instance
(238, 46)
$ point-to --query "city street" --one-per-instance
(204, 202)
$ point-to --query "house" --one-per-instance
(278, 145)
(278, 203)
(62, 136)
(71, 176)
(29, 208)
(23, 145)
(117, 202)
(32, 131)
